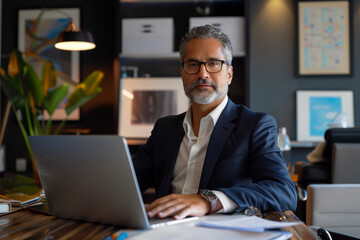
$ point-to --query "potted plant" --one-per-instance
(31, 96)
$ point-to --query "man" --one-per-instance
(218, 156)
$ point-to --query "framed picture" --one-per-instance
(36, 39)
(324, 38)
(316, 111)
(144, 100)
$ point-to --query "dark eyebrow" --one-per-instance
(213, 59)
(192, 60)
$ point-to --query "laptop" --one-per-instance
(92, 178)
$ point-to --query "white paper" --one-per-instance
(245, 223)
(191, 232)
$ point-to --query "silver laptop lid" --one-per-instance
(90, 178)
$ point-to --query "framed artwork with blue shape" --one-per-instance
(37, 32)
(317, 111)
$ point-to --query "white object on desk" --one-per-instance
(5, 207)
(189, 231)
(245, 223)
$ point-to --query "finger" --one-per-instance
(193, 208)
(171, 210)
(164, 208)
(183, 214)
(157, 202)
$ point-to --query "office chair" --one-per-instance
(322, 172)
(345, 164)
(335, 207)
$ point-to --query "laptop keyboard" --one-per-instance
(161, 222)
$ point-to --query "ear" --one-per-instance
(230, 74)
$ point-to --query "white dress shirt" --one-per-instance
(191, 157)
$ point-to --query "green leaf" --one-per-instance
(84, 91)
(48, 76)
(32, 85)
(25, 189)
(81, 99)
(53, 98)
(16, 63)
(92, 82)
(11, 88)
(17, 186)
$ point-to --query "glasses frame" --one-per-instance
(200, 63)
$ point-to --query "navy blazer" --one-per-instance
(242, 159)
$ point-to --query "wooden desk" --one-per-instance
(26, 224)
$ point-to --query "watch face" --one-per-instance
(210, 194)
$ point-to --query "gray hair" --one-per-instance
(207, 32)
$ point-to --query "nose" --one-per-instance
(203, 73)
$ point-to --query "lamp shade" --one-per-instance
(75, 41)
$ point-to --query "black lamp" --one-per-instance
(73, 39)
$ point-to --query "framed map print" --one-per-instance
(324, 38)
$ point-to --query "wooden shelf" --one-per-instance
(302, 144)
(136, 141)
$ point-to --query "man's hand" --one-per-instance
(179, 206)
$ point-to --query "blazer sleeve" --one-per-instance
(143, 163)
(270, 187)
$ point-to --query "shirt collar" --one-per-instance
(214, 114)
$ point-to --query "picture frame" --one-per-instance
(324, 46)
(36, 41)
(316, 112)
(143, 100)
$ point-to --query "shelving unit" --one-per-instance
(167, 65)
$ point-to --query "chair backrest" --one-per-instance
(345, 164)
(333, 205)
(339, 135)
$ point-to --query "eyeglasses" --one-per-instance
(287, 216)
(252, 211)
(211, 66)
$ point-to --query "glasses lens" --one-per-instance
(191, 67)
(213, 66)
(252, 211)
(274, 216)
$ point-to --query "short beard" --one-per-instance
(204, 97)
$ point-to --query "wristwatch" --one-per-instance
(210, 196)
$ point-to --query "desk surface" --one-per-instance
(26, 224)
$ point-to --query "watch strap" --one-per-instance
(211, 197)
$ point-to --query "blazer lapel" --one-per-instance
(177, 135)
(221, 132)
